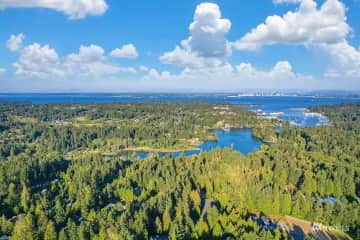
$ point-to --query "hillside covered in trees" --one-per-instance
(63, 173)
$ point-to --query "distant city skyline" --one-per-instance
(179, 46)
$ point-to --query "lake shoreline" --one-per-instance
(241, 139)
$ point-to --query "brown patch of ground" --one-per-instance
(299, 229)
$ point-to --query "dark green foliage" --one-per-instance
(63, 174)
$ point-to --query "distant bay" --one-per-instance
(289, 108)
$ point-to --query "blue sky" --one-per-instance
(122, 45)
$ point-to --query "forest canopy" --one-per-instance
(64, 175)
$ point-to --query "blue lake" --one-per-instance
(238, 139)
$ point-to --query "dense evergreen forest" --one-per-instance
(66, 172)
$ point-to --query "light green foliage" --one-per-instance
(50, 233)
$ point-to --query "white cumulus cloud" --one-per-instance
(74, 9)
(91, 53)
(206, 46)
(309, 24)
(38, 62)
(126, 51)
(14, 42)
(183, 58)
(346, 58)
(207, 32)
(281, 69)
(323, 27)
(42, 62)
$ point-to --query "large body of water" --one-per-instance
(289, 108)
